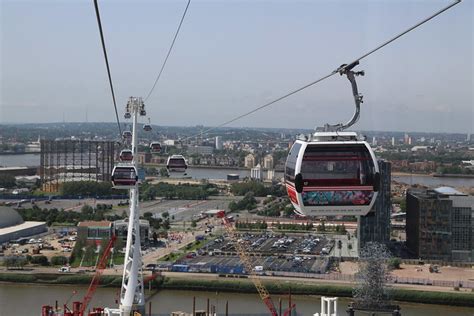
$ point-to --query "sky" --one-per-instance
(233, 56)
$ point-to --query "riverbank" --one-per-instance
(244, 285)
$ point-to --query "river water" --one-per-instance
(212, 173)
(27, 300)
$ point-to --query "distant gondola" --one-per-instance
(127, 135)
(176, 163)
(332, 174)
(155, 147)
(124, 176)
(126, 155)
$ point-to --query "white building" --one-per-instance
(256, 173)
(270, 174)
(169, 142)
(218, 142)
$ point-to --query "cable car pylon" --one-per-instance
(132, 297)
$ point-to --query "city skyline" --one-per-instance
(221, 67)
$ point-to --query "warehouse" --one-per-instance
(13, 227)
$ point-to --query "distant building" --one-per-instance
(440, 224)
(419, 148)
(201, 150)
(268, 162)
(249, 161)
(13, 227)
(143, 158)
(374, 141)
(169, 142)
(270, 174)
(94, 231)
(375, 226)
(393, 141)
(256, 172)
(218, 142)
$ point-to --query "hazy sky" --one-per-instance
(232, 56)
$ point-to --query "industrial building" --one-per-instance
(94, 231)
(13, 227)
(75, 160)
(375, 226)
(440, 224)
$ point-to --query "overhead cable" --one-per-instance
(169, 51)
(338, 70)
(107, 64)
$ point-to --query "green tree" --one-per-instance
(59, 260)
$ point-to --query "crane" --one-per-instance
(98, 272)
(245, 259)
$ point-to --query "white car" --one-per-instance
(64, 269)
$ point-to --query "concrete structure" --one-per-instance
(75, 160)
(375, 226)
(268, 162)
(256, 173)
(218, 142)
(249, 161)
(440, 224)
(13, 227)
(120, 228)
(328, 306)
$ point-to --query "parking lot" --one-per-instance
(268, 252)
(270, 244)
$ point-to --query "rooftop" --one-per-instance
(448, 191)
(94, 224)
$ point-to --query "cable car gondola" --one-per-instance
(176, 163)
(124, 176)
(126, 155)
(127, 135)
(155, 147)
(147, 127)
(332, 174)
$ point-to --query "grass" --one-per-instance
(195, 245)
(246, 286)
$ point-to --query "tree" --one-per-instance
(59, 260)
(41, 260)
(164, 173)
(165, 214)
(7, 181)
(193, 224)
(394, 263)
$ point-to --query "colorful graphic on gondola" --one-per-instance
(337, 198)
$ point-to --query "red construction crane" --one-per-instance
(98, 272)
(244, 258)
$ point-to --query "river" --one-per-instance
(25, 300)
(214, 173)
